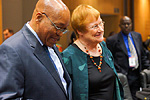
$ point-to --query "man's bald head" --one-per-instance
(51, 7)
(49, 17)
(125, 18)
(125, 25)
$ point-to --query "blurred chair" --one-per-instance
(144, 94)
(145, 78)
(126, 89)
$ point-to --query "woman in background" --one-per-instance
(88, 60)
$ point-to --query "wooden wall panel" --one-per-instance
(1, 36)
(12, 14)
(28, 10)
(111, 24)
(142, 17)
(104, 6)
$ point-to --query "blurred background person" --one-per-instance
(72, 37)
(147, 47)
(59, 46)
(128, 53)
(111, 33)
(147, 43)
(88, 60)
(7, 33)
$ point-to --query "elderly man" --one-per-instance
(128, 53)
(31, 67)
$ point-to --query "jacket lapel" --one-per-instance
(122, 44)
(135, 39)
(66, 75)
(41, 55)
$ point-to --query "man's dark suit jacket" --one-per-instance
(27, 73)
(117, 46)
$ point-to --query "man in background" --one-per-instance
(7, 33)
(128, 53)
(31, 67)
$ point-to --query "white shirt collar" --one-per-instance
(35, 34)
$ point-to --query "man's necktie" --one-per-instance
(58, 68)
(45, 47)
(133, 52)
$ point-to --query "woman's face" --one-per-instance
(95, 31)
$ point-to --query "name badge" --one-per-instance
(132, 61)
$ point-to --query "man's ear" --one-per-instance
(39, 17)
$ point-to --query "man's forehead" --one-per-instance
(6, 31)
(126, 18)
(125, 21)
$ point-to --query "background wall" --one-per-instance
(28, 7)
(15, 13)
(142, 17)
(12, 14)
(1, 37)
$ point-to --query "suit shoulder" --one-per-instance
(137, 33)
(112, 38)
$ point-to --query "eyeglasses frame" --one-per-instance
(57, 28)
(102, 23)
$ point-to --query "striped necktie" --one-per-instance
(133, 52)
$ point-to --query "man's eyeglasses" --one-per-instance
(97, 26)
(57, 28)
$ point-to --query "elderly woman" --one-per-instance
(88, 61)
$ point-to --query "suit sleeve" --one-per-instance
(11, 74)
